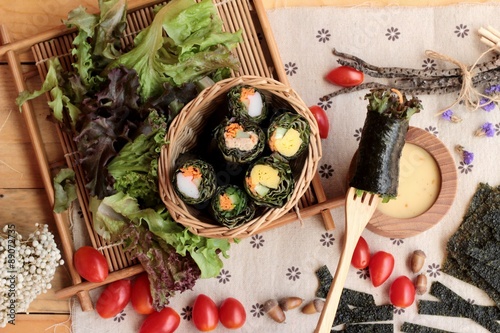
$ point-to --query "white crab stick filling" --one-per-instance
(187, 186)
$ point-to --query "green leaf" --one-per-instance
(64, 190)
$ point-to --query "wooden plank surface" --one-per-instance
(22, 198)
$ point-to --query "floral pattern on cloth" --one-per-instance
(282, 262)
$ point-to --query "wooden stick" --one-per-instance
(41, 157)
(86, 286)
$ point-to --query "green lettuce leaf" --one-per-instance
(64, 189)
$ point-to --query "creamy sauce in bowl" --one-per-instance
(419, 184)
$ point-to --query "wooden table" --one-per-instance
(23, 199)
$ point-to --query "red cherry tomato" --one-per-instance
(232, 313)
(113, 299)
(141, 298)
(361, 255)
(381, 266)
(402, 292)
(321, 119)
(205, 313)
(165, 321)
(90, 264)
(345, 76)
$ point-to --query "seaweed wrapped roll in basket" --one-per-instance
(186, 134)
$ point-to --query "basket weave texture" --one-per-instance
(182, 137)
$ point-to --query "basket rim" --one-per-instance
(181, 212)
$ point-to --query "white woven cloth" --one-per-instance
(282, 262)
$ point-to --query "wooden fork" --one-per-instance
(358, 211)
(490, 36)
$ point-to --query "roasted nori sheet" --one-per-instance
(416, 328)
(452, 305)
(369, 328)
(379, 153)
(474, 246)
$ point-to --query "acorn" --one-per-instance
(313, 306)
(417, 261)
(273, 309)
(421, 284)
(289, 303)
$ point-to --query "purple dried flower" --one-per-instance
(492, 89)
(467, 156)
(487, 129)
(486, 104)
(447, 114)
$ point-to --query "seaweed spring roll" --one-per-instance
(194, 181)
(231, 206)
(247, 102)
(382, 140)
(269, 181)
(288, 135)
(240, 140)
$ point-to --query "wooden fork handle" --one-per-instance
(332, 300)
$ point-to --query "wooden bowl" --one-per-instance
(183, 136)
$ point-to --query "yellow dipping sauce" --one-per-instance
(419, 184)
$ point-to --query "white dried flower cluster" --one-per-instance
(26, 269)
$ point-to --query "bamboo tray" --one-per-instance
(258, 55)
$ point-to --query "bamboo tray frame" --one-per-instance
(258, 55)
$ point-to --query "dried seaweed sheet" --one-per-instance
(478, 234)
(369, 328)
(416, 328)
(452, 305)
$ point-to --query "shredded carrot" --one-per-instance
(232, 129)
(191, 171)
(250, 184)
(399, 94)
(225, 202)
(246, 92)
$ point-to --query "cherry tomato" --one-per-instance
(402, 292)
(165, 321)
(113, 299)
(232, 313)
(205, 313)
(345, 76)
(321, 119)
(140, 297)
(381, 266)
(361, 255)
(90, 264)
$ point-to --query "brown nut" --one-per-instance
(417, 261)
(421, 284)
(289, 303)
(272, 308)
(314, 306)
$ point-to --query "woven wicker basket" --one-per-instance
(183, 136)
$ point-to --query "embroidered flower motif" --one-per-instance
(434, 270)
(497, 128)
(187, 313)
(326, 171)
(323, 35)
(257, 310)
(392, 34)
(260, 36)
(467, 156)
(399, 311)
(120, 317)
(397, 241)
(450, 116)
(470, 301)
(486, 129)
(327, 239)
(429, 64)
(465, 168)
(325, 102)
(357, 133)
(461, 30)
(433, 130)
(293, 273)
(363, 273)
(223, 276)
(257, 241)
(291, 68)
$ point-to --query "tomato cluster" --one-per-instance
(206, 316)
(380, 266)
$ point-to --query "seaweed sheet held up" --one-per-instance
(472, 250)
